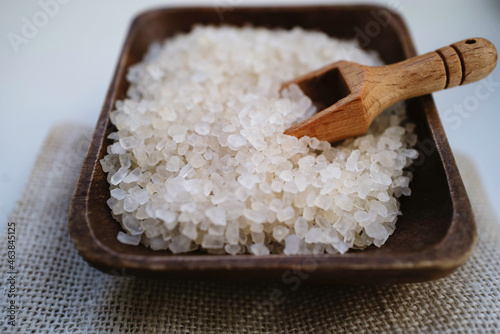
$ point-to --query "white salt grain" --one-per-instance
(197, 161)
(157, 243)
(217, 215)
(202, 128)
(132, 225)
(286, 214)
(292, 245)
(212, 242)
(376, 230)
(180, 244)
(314, 235)
(259, 249)
(128, 239)
(118, 193)
(301, 227)
(248, 180)
(119, 176)
(236, 140)
(280, 232)
(232, 249)
(200, 159)
(133, 176)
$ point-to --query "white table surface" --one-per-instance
(62, 72)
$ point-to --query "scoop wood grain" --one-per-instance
(353, 94)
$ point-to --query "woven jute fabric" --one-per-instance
(56, 291)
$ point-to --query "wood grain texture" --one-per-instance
(435, 234)
(373, 89)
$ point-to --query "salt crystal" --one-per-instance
(311, 198)
(232, 233)
(255, 216)
(217, 215)
(258, 236)
(158, 243)
(197, 160)
(212, 242)
(218, 198)
(290, 187)
(180, 244)
(182, 148)
(343, 225)
(376, 230)
(118, 193)
(341, 246)
(129, 142)
(323, 202)
(383, 196)
(189, 230)
(178, 133)
(166, 215)
(323, 146)
(248, 180)
(133, 176)
(280, 232)
(174, 163)
(259, 249)
(131, 225)
(202, 128)
(128, 239)
(410, 153)
(301, 182)
(362, 217)
(130, 204)
(352, 160)
(314, 235)
(200, 148)
(216, 230)
(344, 202)
(286, 214)
(314, 143)
(232, 249)
(114, 136)
(309, 213)
(118, 176)
(292, 245)
(301, 227)
(306, 162)
(406, 191)
(125, 160)
(236, 140)
(142, 196)
(277, 186)
(287, 175)
(276, 205)
(323, 223)
(117, 208)
(265, 188)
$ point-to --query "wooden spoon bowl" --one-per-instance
(351, 95)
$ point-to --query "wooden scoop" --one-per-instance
(351, 95)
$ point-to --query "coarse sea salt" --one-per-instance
(200, 161)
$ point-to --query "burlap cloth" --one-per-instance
(58, 292)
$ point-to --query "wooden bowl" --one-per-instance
(435, 234)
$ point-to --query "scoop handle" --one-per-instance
(457, 64)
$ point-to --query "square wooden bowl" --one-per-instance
(435, 234)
